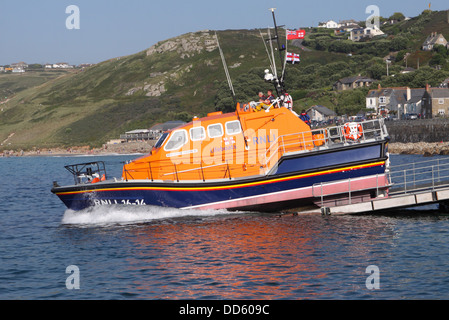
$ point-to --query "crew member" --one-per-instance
(305, 117)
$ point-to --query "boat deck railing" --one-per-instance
(324, 138)
(414, 177)
(350, 188)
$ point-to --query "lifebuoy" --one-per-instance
(352, 131)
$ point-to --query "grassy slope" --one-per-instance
(91, 106)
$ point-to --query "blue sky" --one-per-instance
(35, 31)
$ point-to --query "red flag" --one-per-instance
(295, 34)
(293, 57)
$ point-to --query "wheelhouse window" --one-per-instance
(215, 130)
(197, 133)
(233, 127)
(176, 141)
(161, 140)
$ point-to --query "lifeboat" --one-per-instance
(258, 158)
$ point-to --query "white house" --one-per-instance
(18, 70)
(331, 24)
(62, 65)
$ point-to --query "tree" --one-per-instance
(376, 71)
(397, 16)
(399, 43)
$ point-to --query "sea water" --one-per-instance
(50, 252)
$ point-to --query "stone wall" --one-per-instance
(422, 130)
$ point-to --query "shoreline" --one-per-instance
(131, 148)
(425, 149)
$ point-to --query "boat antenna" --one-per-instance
(231, 87)
(272, 60)
(268, 53)
(228, 78)
(279, 86)
(285, 60)
(276, 34)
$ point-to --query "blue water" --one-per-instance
(156, 253)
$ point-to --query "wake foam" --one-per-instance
(116, 214)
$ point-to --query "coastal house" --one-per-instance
(19, 65)
(436, 102)
(352, 83)
(320, 113)
(331, 24)
(85, 65)
(62, 65)
(18, 70)
(363, 33)
(137, 135)
(347, 23)
(434, 39)
(399, 101)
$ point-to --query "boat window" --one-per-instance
(197, 134)
(161, 140)
(233, 127)
(215, 130)
(176, 141)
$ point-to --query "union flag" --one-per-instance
(295, 34)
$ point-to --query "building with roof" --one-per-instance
(436, 102)
(150, 134)
(320, 113)
(352, 83)
(434, 39)
(398, 101)
(358, 34)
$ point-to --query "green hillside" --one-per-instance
(182, 77)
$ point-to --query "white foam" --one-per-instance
(109, 215)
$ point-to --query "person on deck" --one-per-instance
(305, 117)
(270, 99)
